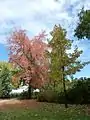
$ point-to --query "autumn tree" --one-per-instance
(28, 55)
(62, 63)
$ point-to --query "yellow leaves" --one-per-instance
(15, 81)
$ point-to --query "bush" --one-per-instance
(5, 79)
(21, 96)
(78, 94)
(47, 96)
(24, 95)
(35, 95)
(61, 98)
(15, 95)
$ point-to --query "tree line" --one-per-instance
(40, 64)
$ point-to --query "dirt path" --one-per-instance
(13, 103)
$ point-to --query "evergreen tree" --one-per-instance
(62, 63)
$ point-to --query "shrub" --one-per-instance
(78, 94)
(47, 96)
(5, 79)
(61, 98)
(15, 95)
(35, 95)
(40, 97)
(24, 95)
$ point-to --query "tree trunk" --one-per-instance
(64, 88)
(29, 91)
(65, 93)
(54, 85)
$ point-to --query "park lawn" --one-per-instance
(48, 111)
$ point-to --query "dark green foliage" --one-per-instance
(24, 95)
(35, 95)
(15, 95)
(62, 99)
(5, 79)
(78, 94)
(21, 96)
(88, 89)
(47, 96)
(83, 27)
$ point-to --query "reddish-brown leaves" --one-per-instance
(29, 55)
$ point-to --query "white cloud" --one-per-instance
(35, 15)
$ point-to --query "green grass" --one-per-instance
(46, 112)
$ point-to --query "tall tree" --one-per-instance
(62, 63)
(83, 31)
(29, 56)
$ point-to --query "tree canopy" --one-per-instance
(29, 56)
(62, 63)
(83, 27)
(59, 57)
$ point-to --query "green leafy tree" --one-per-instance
(83, 31)
(62, 63)
(17, 81)
(5, 79)
(83, 27)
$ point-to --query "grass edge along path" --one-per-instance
(46, 111)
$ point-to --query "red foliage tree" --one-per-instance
(29, 55)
